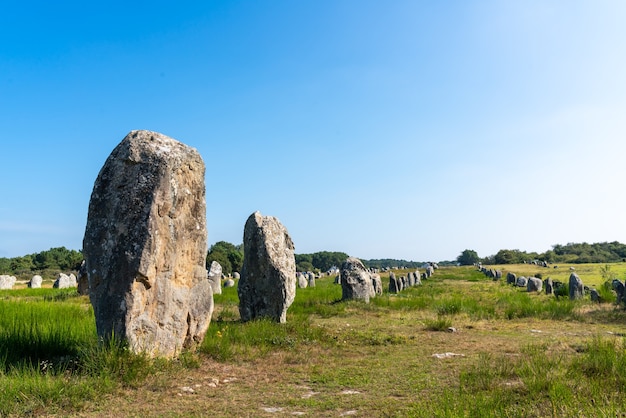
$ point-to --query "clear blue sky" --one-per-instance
(384, 129)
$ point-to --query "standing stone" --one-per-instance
(619, 288)
(521, 281)
(534, 284)
(302, 281)
(356, 281)
(7, 282)
(35, 282)
(145, 246)
(236, 276)
(393, 283)
(498, 275)
(575, 287)
(311, 279)
(215, 277)
(418, 278)
(549, 286)
(411, 279)
(511, 278)
(595, 296)
(229, 283)
(377, 283)
(268, 278)
(73, 280)
(63, 281)
(83, 280)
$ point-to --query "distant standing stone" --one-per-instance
(236, 276)
(575, 287)
(521, 281)
(534, 284)
(303, 283)
(215, 277)
(7, 282)
(35, 282)
(619, 288)
(229, 283)
(63, 281)
(356, 282)
(268, 278)
(393, 283)
(311, 279)
(595, 296)
(549, 286)
(145, 246)
(377, 283)
(511, 278)
(83, 280)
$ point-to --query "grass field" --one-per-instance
(513, 354)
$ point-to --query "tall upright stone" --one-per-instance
(215, 277)
(268, 278)
(576, 289)
(356, 281)
(145, 246)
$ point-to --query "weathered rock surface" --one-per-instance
(303, 283)
(82, 279)
(595, 296)
(215, 277)
(394, 286)
(64, 281)
(377, 283)
(576, 289)
(145, 246)
(356, 281)
(268, 278)
(549, 286)
(521, 281)
(229, 283)
(534, 284)
(35, 282)
(511, 278)
(618, 286)
(7, 282)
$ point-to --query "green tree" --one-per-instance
(228, 255)
(468, 258)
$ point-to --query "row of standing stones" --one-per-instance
(63, 281)
(145, 248)
(575, 285)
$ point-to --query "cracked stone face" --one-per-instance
(145, 246)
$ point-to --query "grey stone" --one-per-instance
(411, 279)
(497, 275)
(393, 283)
(595, 296)
(311, 279)
(236, 276)
(35, 282)
(549, 286)
(229, 283)
(511, 278)
(215, 277)
(619, 288)
(534, 285)
(63, 281)
(418, 278)
(83, 280)
(356, 281)
(268, 278)
(7, 282)
(377, 283)
(576, 289)
(145, 246)
(521, 281)
(303, 283)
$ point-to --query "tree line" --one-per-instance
(230, 257)
(571, 253)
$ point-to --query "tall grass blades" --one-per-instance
(43, 334)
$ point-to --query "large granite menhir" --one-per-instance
(267, 286)
(145, 246)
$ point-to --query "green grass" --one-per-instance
(51, 361)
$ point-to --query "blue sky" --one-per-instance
(384, 129)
